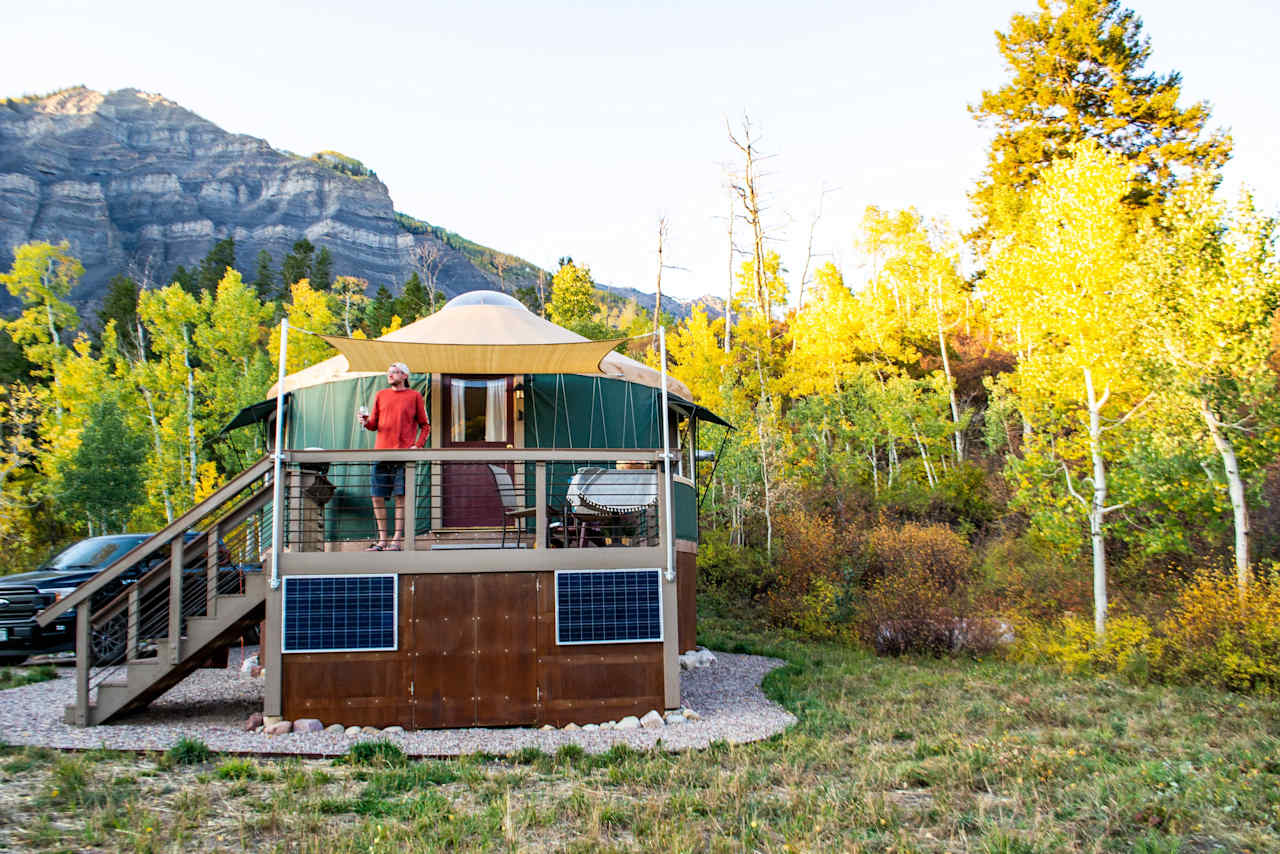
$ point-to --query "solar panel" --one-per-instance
(608, 606)
(337, 613)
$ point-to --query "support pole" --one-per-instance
(667, 509)
(276, 483)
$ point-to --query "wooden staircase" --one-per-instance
(172, 604)
(204, 638)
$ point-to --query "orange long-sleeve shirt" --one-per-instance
(398, 416)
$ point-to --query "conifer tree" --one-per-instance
(264, 277)
(322, 270)
(1077, 73)
(297, 265)
(215, 264)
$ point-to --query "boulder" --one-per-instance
(254, 721)
(691, 715)
(335, 729)
(571, 727)
(651, 720)
(392, 730)
(629, 722)
(590, 727)
(673, 717)
(280, 728)
(351, 731)
(248, 664)
(370, 730)
(307, 725)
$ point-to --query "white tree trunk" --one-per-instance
(1235, 488)
(1097, 509)
(155, 439)
(191, 413)
(951, 384)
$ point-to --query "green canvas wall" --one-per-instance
(324, 416)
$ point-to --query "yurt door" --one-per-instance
(478, 413)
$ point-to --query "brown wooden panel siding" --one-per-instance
(687, 599)
(352, 688)
(506, 612)
(475, 648)
(444, 650)
(592, 683)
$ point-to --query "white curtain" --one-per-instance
(495, 411)
(458, 411)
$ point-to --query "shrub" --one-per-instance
(1026, 575)
(238, 769)
(376, 753)
(939, 553)
(727, 568)
(810, 573)
(1215, 636)
(1071, 644)
(188, 751)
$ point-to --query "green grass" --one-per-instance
(11, 677)
(888, 755)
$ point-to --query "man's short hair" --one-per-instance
(399, 366)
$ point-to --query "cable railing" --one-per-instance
(347, 501)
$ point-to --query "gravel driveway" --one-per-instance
(212, 705)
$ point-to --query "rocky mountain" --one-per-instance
(139, 185)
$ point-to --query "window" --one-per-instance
(608, 606)
(337, 613)
(478, 410)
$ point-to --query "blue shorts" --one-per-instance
(387, 480)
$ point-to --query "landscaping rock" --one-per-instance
(673, 717)
(335, 729)
(651, 720)
(571, 727)
(590, 727)
(546, 726)
(370, 730)
(392, 730)
(305, 725)
(254, 721)
(691, 715)
(609, 725)
(351, 731)
(268, 720)
(629, 722)
(280, 728)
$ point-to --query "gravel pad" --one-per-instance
(212, 705)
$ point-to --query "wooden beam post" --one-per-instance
(176, 561)
(540, 532)
(211, 570)
(83, 660)
(269, 653)
(135, 602)
(410, 506)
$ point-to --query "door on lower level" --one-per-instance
(474, 649)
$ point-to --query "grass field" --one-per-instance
(889, 755)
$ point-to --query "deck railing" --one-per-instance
(472, 509)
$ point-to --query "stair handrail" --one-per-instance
(176, 528)
(153, 577)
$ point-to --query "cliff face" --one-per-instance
(138, 185)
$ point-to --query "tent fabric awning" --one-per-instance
(253, 413)
(701, 412)
(562, 357)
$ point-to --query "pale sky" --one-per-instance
(563, 128)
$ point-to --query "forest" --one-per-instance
(1056, 433)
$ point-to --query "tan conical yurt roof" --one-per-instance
(481, 332)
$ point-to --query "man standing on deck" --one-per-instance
(399, 418)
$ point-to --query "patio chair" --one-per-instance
(513, 514)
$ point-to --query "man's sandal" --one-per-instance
(376, 547)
